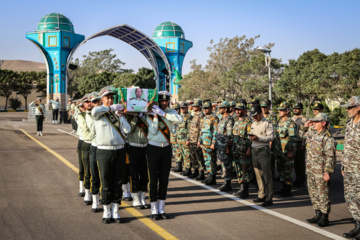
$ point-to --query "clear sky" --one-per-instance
(294, 26)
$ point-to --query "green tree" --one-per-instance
(94, 82)
(41, 83)
(25, 84)
(8, 84)
(145, 78)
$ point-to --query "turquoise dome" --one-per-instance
(168, 30)
(55, 20)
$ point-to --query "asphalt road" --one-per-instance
(38, 200)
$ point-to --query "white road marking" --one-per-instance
(260, 208)
(68, 133)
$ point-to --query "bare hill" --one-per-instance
(22, 65)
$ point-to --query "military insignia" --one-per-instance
(316, 105)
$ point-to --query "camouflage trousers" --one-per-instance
(285, 167)
(319, 192)
(185, 153)
(209, 160)
(196, 157)
(177, 152)
(243, 167)
(226, 163)
(352, 193)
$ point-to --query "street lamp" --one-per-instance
(267, 63)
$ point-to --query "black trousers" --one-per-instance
(126, 176)
(111, 168)
(55, 113)
(39, 122)
(81, 166)
(159, 164)
(95, 177)
(85, 156)
(138, 169)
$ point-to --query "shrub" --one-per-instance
(15, 103)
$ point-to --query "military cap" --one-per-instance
(232, 104)
(197, 103)
(94, 96)
(207, 104)
(189, 101)
(243, 101)
(175, 106)
(353, 101)
(255, 110)
(164, 95)
(106, 91)
(85, 98)
(214, 104)
(298, 105)
(283, 106)
(183, 104)
(321, 117)
(240, 106)
(224, 104)
(264, 104)
(255, 101)
(318, 106)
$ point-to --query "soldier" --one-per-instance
(285, 149)
(40, 115)
(241, 145)
(261, 134)
(55, 105)
(175, 146)
(214, 107)
(318, 108)
(76, 111)
(232, 109)
(137, 103)
(159, 153)
(350, 165)
(190, 110)
(181, 137)
(111, 154)
(218, 103)
(196, 154)
(70, 108)
(320, 163)
(299, 161)
(207, 140)
(224, 143)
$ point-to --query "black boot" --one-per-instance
(195, 174)
(226, 186)
(287, 191)
(243, 191)
(178, 167)
(187, 172)
(353, 232)
(210, 180)
(201, 176)
(357, 237)
(324, 220)
(281, 190)
(315, 219)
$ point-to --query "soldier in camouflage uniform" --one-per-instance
(241, 144)
(196, 154)
(350, 165)
(214, 107)
(175, 146)
(271, 117)
(318, 108)
(223, 144)
(181, 137)
(232, 109)
(285, 148)
(207, 139)
(189, 106)
(320, 163)
(218, 103)
(299, 161)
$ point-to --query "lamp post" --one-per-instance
(267, 63)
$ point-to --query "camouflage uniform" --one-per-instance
(182, 136)
(233, 114)
(350, 164)
(320, 158)
(175, 146)
(224, 135)
(285, 141)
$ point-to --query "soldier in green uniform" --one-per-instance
(320, 163)
(318, 108)
(110, 130)
(196, 154)
(76, 111)
(299, 161)
(207, 140)
(224, 144)
(232, 109)
(181, 137)
(189, 104)
(285, 148)
(175, 146)
(241, 148)
(350, 164)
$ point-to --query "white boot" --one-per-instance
(136, 201)
(38, 133)
(41, 133)
(87, 198)
(115, 213)
(162, 213)
(81, 189)
(95, 203)
(126, 192)
(142, 199)
(55, 121)
(106, 214)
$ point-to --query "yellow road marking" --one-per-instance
(149, 223)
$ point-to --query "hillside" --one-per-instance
(22, 65)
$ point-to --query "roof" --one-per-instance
(55, 21)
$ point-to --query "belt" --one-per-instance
(138, 144)
(165, 144)
(111, 147)
(88, 142)
(260, 149)
(94, 144)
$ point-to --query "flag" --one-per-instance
(178, 77)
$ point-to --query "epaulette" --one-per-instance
(143, 100)
(247, 120)
(327, 133)
(131, 98)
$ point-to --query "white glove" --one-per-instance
(116, 107)
(158, 111)
(118, 113)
